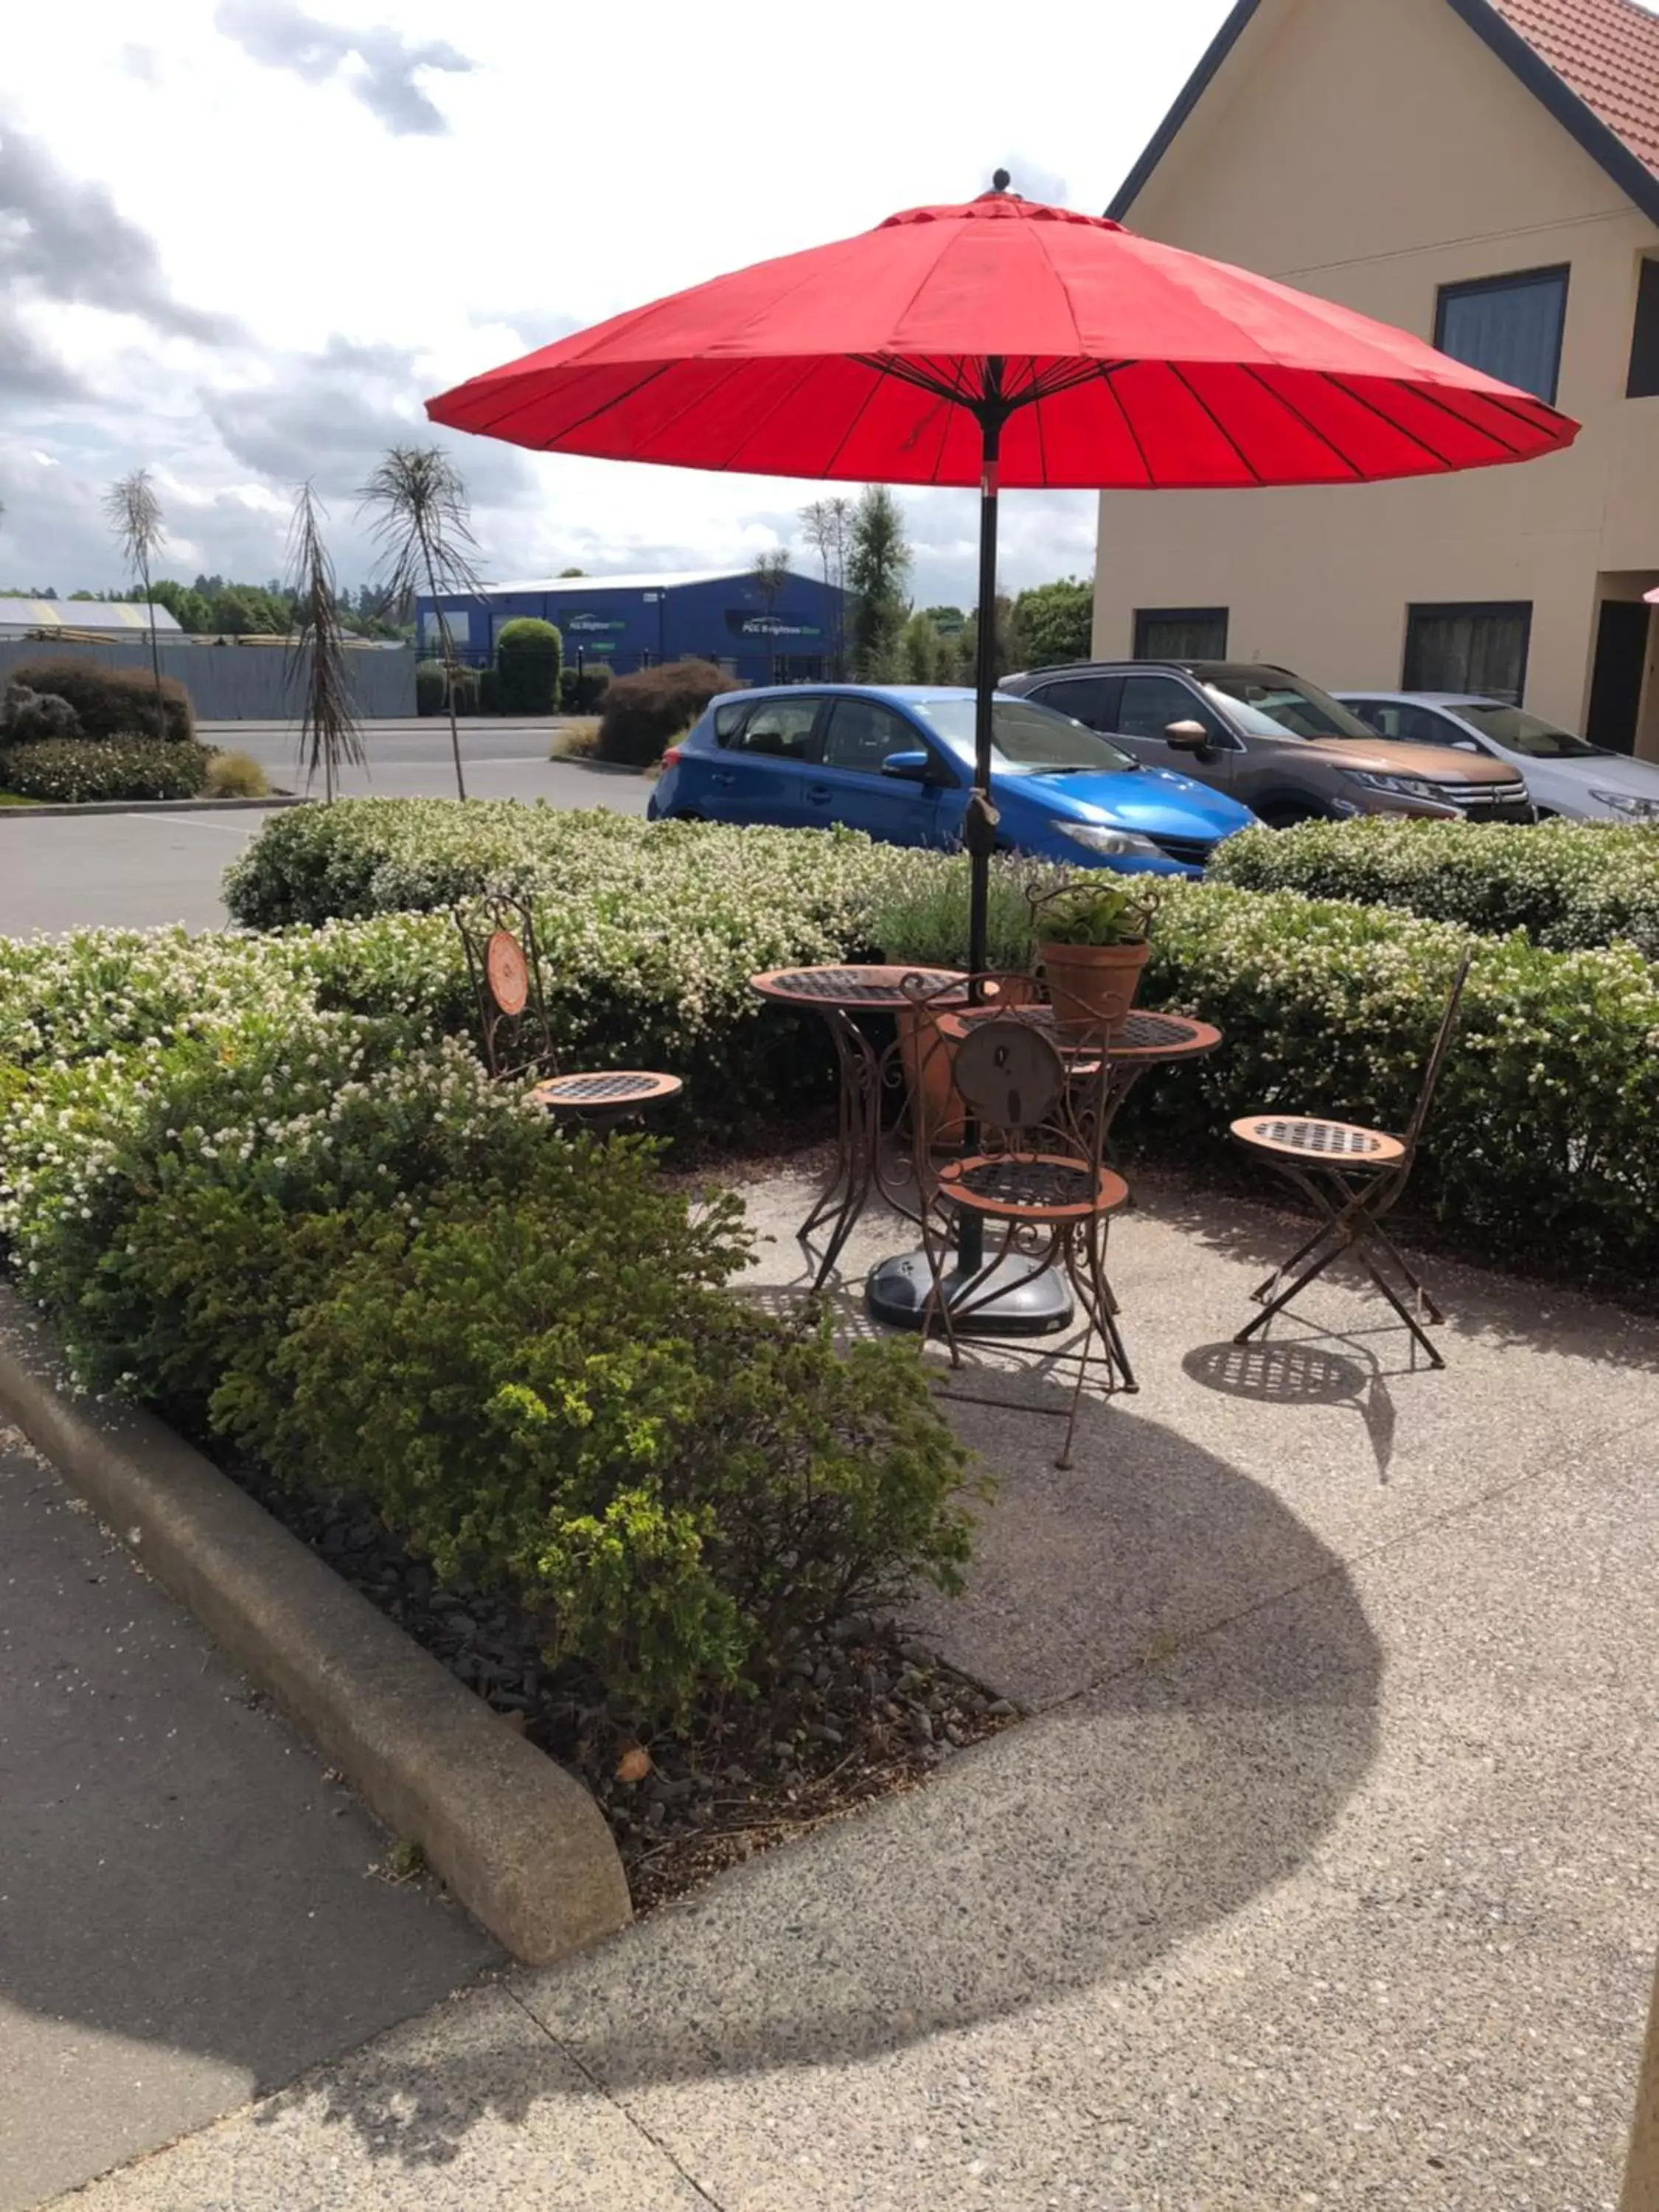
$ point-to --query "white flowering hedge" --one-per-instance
(1568, 885)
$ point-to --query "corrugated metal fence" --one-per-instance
(238, 682)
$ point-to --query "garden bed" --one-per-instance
(861, 1712)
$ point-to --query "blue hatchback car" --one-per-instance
(896, 761)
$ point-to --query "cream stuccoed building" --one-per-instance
(1484, 174)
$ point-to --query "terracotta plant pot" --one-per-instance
(1092, 986)
(936, 1110)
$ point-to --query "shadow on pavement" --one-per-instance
(1222, 1729)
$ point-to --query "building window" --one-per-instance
(1510, 326)
(1644, 382)
(1180, 634)
(1480, 648)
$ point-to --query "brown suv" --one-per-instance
(1282, 746)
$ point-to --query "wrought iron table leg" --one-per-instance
(857, 1135)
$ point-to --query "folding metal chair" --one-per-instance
(1353, 1176)
(506, 969)
(1036, 1171)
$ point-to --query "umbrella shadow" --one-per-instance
(1225, 1709)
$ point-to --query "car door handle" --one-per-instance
(819, 794)
(724, 777)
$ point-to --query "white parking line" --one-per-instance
(197, 822)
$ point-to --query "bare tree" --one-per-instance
(769, 575)
(417, 506)
(134, 514)
(827, 525)
(317, 655)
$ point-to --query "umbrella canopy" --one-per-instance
(1108, 360)
(1006, 343)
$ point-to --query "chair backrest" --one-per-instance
(499, 934)
(1011, 1080)
(1437, 1056)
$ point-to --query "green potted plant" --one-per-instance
(1091, 944)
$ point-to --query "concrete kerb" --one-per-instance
(33, 813)
(518, 1840)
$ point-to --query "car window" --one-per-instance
(728, 720)
(1151, 704)
(1412, 725)
(780, 727)
(1277, 704)
(1026, 738)
(862, 733)
(1089, 700)
(1529, 733)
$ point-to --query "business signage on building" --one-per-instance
(589, 625)
(744, 622)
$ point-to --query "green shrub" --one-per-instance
(113, 702)
(527, 658)
(643, 713)
(236, 775)
(63, 771)
(346, 1254)
(1568, 885)
(582, 690)
(679, 1486)
(430, 687)
(489, 691)
(29, 717)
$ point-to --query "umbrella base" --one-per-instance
(1009, 1301)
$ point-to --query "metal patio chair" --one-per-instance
(499, 933)
(1036, 1171)
(1353, 1176)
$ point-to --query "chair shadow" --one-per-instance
(1296, 1372)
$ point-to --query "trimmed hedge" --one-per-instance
(1544, 1150)
(642, 713)
(113, 702)
(527, 657)
(582, 690)
(71, 771)
(1567, 884)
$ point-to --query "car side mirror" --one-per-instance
(909, 768)
(1188, 738)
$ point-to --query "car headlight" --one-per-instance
(1624, 802)
(1404, 787)
(1119, 843)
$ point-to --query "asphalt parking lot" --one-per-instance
(136, 871)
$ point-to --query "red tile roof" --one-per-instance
(1607, 53)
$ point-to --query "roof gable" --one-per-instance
(1593, 64)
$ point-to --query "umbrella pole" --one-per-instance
(1011, 1300)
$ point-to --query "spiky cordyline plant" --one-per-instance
(416, 507)
(319, 658)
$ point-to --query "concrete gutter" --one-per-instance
(33, 813)
(519, 1841)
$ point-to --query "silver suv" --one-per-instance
(1283, 746)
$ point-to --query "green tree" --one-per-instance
(877, 568)
(827, 526)
(187, 607)
(1009, 655)
(528, 653)
(234, 614)
(922, 652)
(1054, 622)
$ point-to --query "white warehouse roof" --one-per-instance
(665, 581)
(123, 614)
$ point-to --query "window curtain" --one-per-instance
(1510, 330)
(1480, 649)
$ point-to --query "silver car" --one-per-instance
(1566, 774)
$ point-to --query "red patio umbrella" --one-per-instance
(1006, 343)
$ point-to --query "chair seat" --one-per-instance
(604, 1093)
(1031, 1186)
(1309, 1137)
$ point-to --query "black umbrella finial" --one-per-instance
(1000, 181)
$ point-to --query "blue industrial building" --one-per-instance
(794, 633)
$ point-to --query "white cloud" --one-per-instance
(244, 258)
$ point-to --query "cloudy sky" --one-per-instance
(241, 240)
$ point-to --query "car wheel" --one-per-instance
(1290, 816)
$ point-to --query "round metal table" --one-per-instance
(897, 1290)
(843, 997)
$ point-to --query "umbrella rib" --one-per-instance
(1313, 430)
(491, 428)
(1198, 398)
(1426, 393)
(840, 442)
(1106, 376)
(814, 364)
